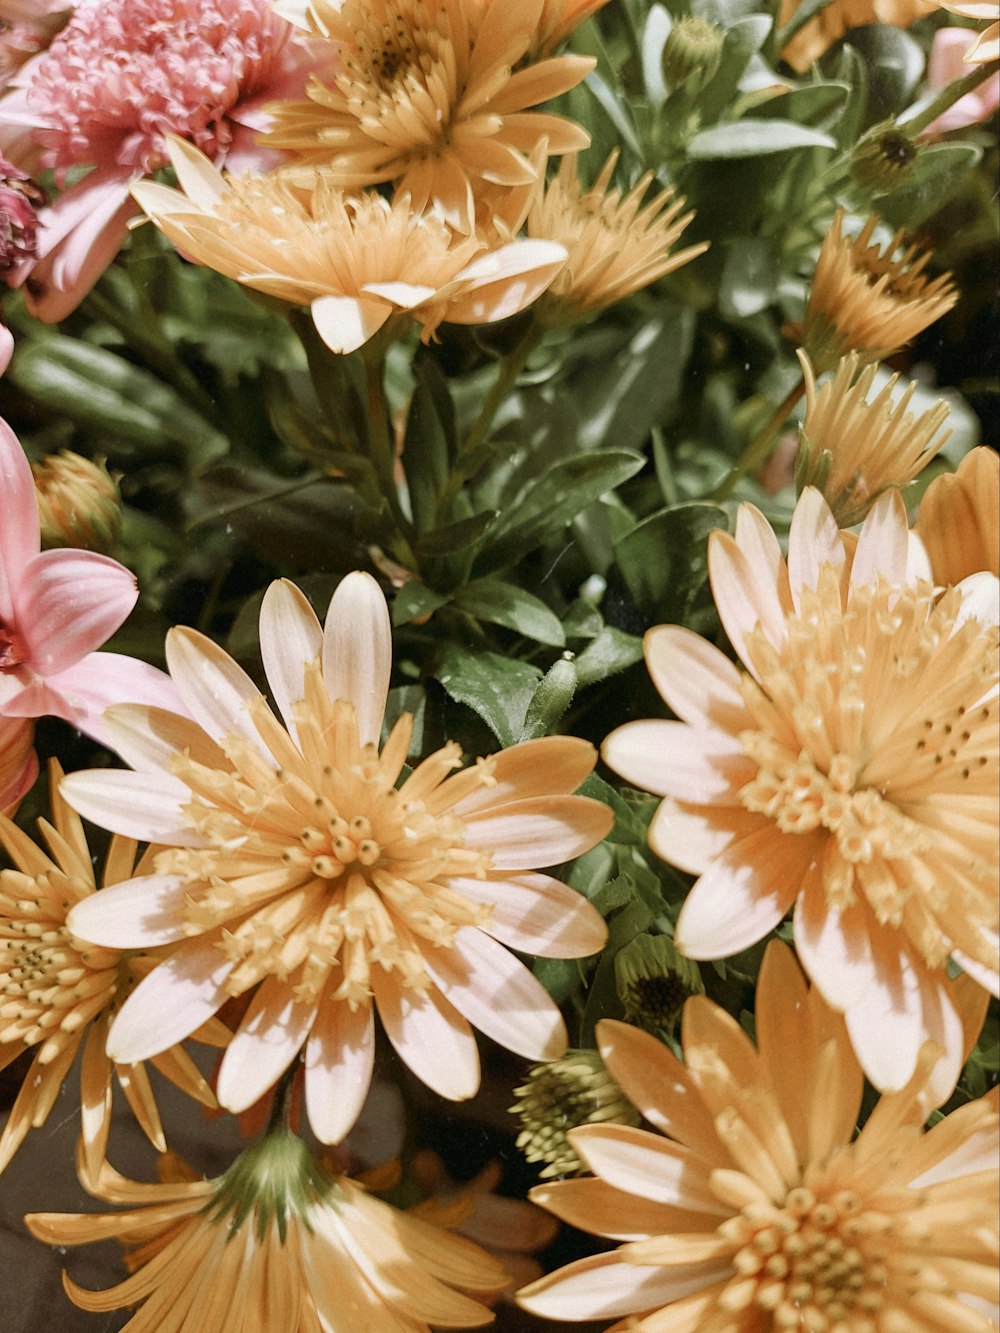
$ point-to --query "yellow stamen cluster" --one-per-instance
(324, 862)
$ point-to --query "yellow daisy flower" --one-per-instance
(959, 519)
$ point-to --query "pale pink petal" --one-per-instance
(550, 766)
(886, 1025)
(492, 290)
(272, 1033)
(6, 347)
(883, 545)
(345, 323)
(813, 541)
(86, 689)
(603, 1286)
(672, 759)
(339, 1059)
(646, 1164)
(431, 1037)
(290, 638)
(19, 539)
(138, 914)
(543, 831)
(357, 651)
(744, 596)
(691, 837)
(215, 690)
(537, 914)
(988, 978)
(149, 738)
(498, 995)
(202, 183)
(170, 1003)
(943, 1024)
(918, 562)
(405, 295)
(68, 603)
(833, 944)
(980, 599)
(699, 682)
(147, 806)
(744, 894)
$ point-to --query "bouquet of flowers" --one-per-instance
(499, 665)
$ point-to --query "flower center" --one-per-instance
(323, 868)
(814, 1264)
(12, 649)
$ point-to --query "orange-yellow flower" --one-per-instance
(432, 95)
(849, 771)
(275, 1245)
(303, 869)
(754, 1209)
(58, 994)
(986, 46)
(616, 244)
(356, 262)
(959, 519)
(867, 299)
(830, 24)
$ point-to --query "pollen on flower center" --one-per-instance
(815, 1263)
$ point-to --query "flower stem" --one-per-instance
(761, 445)
(948, 96)
(383, 455)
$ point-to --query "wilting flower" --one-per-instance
(119, 78)
(833, 20)
(58, 994)
(429, 94)
(615, 244)
(852, 449)
(869, 300)
(574, 1090)
(78, 502)
(55, 608)
(18, 761)
(986, 46)
(945, 64)
(755, 1207)
(300, 867)
(276, 1243)
(849, 771)
(357, 262)
(958, 521)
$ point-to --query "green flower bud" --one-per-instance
(883, 159)
(653, 981)
(692, 52)
(551, 698)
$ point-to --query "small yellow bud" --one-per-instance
(78, 502)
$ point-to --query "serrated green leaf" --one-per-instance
(755, 137)
(501, 603)
(498, 688)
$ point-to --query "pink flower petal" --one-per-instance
(339, 1058)
(699, 683)
(431, 1037)
(543, 831)
(497, 993)
(83, 692)
(537, 914)
(290, 637)
(170, 1003)
(138, 914)
(146, 806)
(638, 1162)
(745, 594)
(215, 690)
(604, 1286)
(357, 651)
(272, 1033)
(148, 738)
(834, 944)
(692, 764)
(19, 539)
(744, 894)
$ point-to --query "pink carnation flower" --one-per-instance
(947, 63)
(56, 607)
(119, 78)
(18, 234)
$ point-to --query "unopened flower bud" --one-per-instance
(692, 52)
(20, 197)
(653, 981)
(78, 502)
(562, 1095)
(883, 159)
(551, 698)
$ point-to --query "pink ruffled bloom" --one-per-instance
(119, 78)
(947, 63)
(18, 234)
(56, 607)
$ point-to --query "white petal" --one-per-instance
(290, 638)
(833, 944)
(357, 651)
(146, 806)
(138, 914)
(550, 766)
(270, 1036)
(148, 738)
(699, 682)
(405, 295)
(883, 544)
(340, 1056)
(980, 599)
(537, 914)
(813, 541)
(214, 688)
(497, 993)
(170, 1003)
(603, 1286)
(693, 764)
(346, 323)
(638, 1162)
(745, 593)
(543, 831)
(886, 1025)
(198, 178)
(691, 837)
(431, 1038)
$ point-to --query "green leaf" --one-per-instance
(663, 558)
(498, 688)
(743, 38)
(457, 536)
(753, 137)
(414, 601)
(817, 104)
(937, 174)
(501, 603)
(613, 107)
(553, 501)
(749, 278)
(430, 441)
(610, 652)
(895, 63)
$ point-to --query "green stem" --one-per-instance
(383, 455)
(466, 462)
(216, 514)
(761, 445)
(948, 96)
